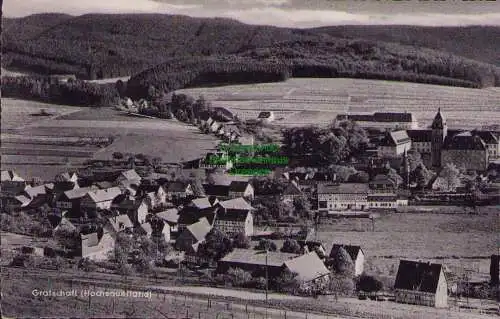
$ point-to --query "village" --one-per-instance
(134, 214)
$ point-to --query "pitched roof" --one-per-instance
(176, 187)
(23, 200)
(487, 136)
(420, 136)
(236, 215)
(307, 267)
(417, 276)
(343, 188)
(237, 204)
(32, 192)
(65, 223)
(439, 121)
(199, 229)
(146, 227)
(464, 141)
(170, 215)
(104, 184)
(352, 250)
(201, 203)
(130, 175)
(255, 257)
(392, 117)
(292, 189)
(10, 176)
(264, 115)
(216, 190)
(238, 186)
(77, 192)
(102, 195)
(120, 222)
(66, 177)
(395, 138)
(190, 215)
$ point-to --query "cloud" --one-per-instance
(270, 12)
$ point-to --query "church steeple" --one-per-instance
(439, 121)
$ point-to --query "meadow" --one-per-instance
(318, 101)
(32, 145)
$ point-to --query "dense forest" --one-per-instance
(46, 89)
(102, 46)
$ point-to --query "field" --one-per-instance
(44, 146)
(318, 101)
(458, 240)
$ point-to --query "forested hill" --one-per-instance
(96, 46)
(474, 42)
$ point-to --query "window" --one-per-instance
(322, 204)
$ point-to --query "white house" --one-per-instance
(394, 144)
(356, 253)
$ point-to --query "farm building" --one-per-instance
(343, 196)
(356, 253)
(394, 144)
(136, 209)
(178, 189)
(71, 199)
(11, 183)
(383, 183)
(232, 190)
(99, 199)
(145, 229)
(291, 192)
(465, 150)
(129, 175)
(119, 223)
(382, 120)
(98, 246)
(170, 217)
(310, 270)
(193, 234)
(189, 215)
(234, 221)
(421, 283)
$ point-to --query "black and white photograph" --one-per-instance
(250, 159)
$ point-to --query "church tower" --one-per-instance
(439, 131)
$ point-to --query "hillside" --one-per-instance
(104, 46)
(473, 42)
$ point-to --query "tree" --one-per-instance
(239, 277)
(291, 246)
(451, 177)
(266, 244)
(287, 282)
(68, 239)
(302, 206)
(216, 245)
(342, 262)
(241, 241)
(368, 283)
(118, 155)
(341, 285)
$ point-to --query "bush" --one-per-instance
(239, 277)
(368, 283)
(87, 265)
(259, 282)
(291, 246)
(266, 244)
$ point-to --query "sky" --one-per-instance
(285, 13)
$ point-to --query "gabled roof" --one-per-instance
(130, 175)
(237, 204)
(417, 276)
(23, 200)
(146, 227)
(104, 184)
(238, 186)
(216, 190)
(66, 224)
(170, 215)
(255, 257)
(120, 222)
(199, 229)
(395, 138)
(10, 176)
(190, 215)
(464, 141)
(103, 195)
(292, 189)
(352, 250)
(236, 215)
(420, 136)
(32, 192)
(344, 188)
(487, 136)
(392, 117)
(66, 177)
(77, 192)
(307, 267)
(201, 203)
(176, 187)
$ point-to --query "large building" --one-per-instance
(235, 216)
(383, 120)
(421, 283)
(394, 144)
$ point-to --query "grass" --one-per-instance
(318, 101)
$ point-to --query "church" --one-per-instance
(472, 150)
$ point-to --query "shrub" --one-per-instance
(266, 244)
(291, 246)
(239, 277)
(368, 283)
(87, 265)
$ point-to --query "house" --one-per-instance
(356, 253)
(11, 183)
(100, 199)
(394, 144)
(119, 223)
(189, 215)
(170, 217)
(193, 234)
(266, 116)
(98, 245)
(71, 199)
(234, 221)
(41, 191)
(236, 204)
(216, 190)
(343, 196)
(465, 150)
(64, 182)
(241, 189)
(382, 120)
(255, 262)
(137, 210)
(19, 202)
(163, 231)
(386, 201)
(64, 225)
(178, 189)
(492, 142)
(421, 283)
(157, 198)
(129, 175)
(204, 202)
(310, 270)
(291, 192)
(383, 183)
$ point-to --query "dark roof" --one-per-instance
(464, 141)
(417, 276)
(216, 190)
(352, 250)
(236, 215)
(238, 186)
(487, 136)
(392, 117)
(264, 115)
(356, 117)
(292, 189)
(176, 187)
(439, 121)
(344, 188)
(190, 215)
(382, 197)
(420, 136)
